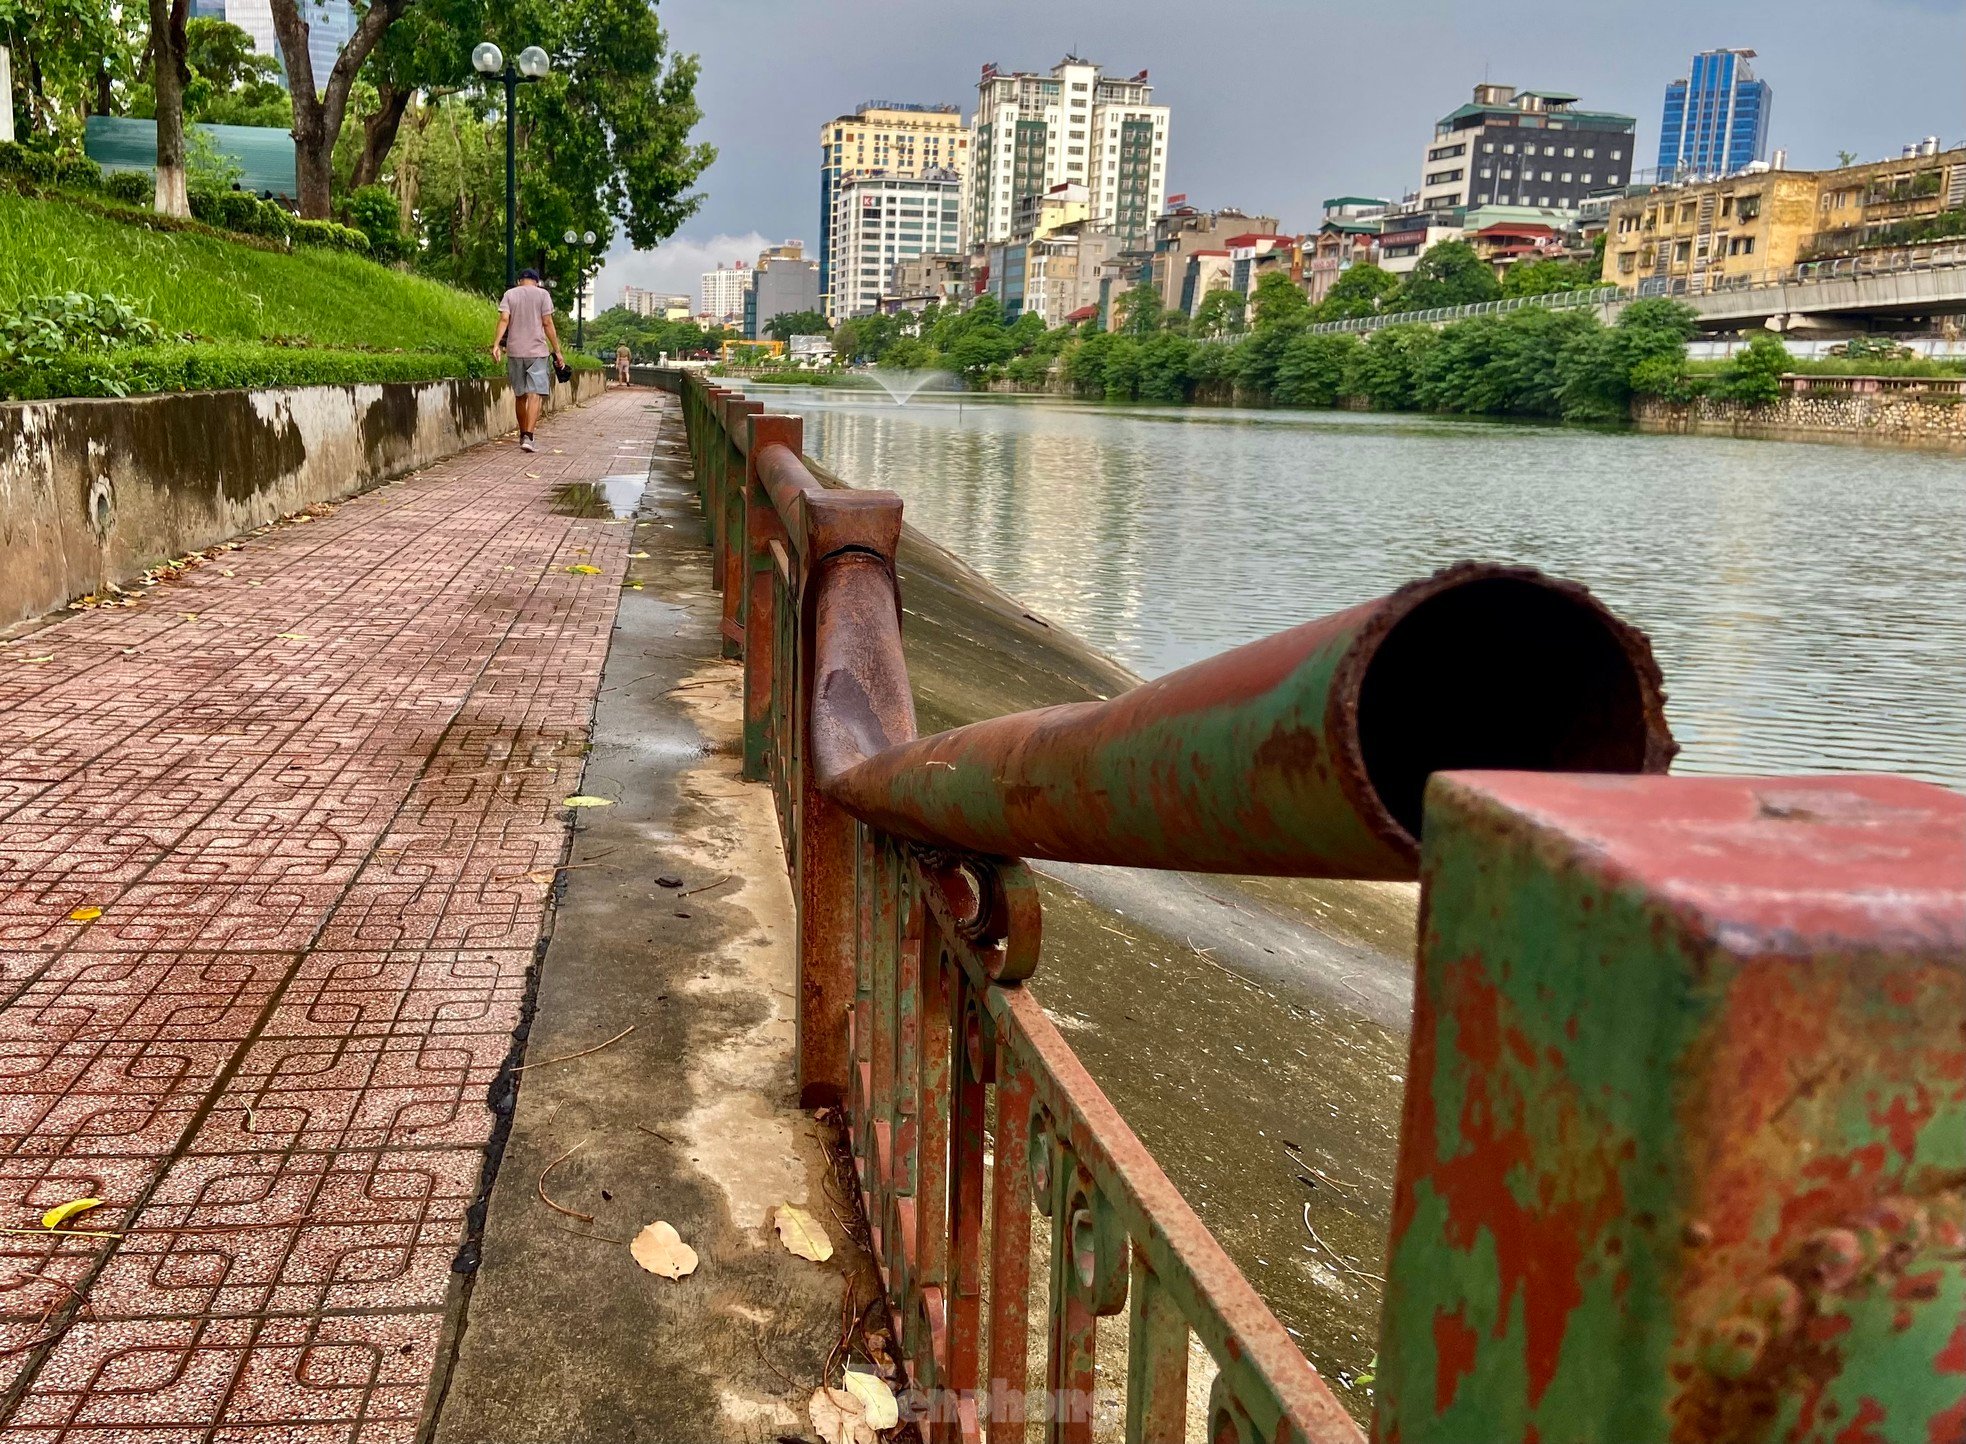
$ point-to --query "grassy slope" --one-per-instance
(228, 291)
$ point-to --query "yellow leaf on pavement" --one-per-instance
(638, 556)
(659, 1249)
(83, 915)
(801, 1234)
(61, 1213)
(584, 569)
(877, 1401)
(580, 800)
(839, 1418)
(292, 636)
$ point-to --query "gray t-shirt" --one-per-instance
(528, 306)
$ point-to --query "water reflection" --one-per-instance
(1808, 602)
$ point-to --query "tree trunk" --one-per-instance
(318, 115)
(379, 134)
(105, 95)
(168, 75)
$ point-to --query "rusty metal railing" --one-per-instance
(1685, 1129)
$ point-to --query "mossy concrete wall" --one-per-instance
(92, 492)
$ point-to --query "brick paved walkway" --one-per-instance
(315, 789)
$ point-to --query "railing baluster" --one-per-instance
(972, 1070)
(1156, 1361)
(932, 1108)
(1070, 1356)
(1010, 1257)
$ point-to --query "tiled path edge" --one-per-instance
(316, 791)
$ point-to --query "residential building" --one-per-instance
(1073, 125)
(1040, 215)
(661, 305)
(915, 281)
(1252, 255)
(722, 293)
(1527, 148)
(898, 137)
(880, 219)
(1411, 232)
(1715, 120)
(782, 282)
(1053, 275)
(1504, 243)
(1693, 237)
(1190, 254)
(330, 26)
(1347, 236)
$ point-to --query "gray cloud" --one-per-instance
(1278, 103)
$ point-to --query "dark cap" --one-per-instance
(529, 274)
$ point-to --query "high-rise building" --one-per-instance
(722, 293)
(1715, 120)
(900, 138)
(330, 26)
(881, 219)
(1034, 131)
(1524, 148)
(782, 281)
(663, 305)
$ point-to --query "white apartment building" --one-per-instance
(722, 293)
(1034, 131)
(881, 219)
(655, 303)
(902, 138)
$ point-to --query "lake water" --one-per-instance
(1807, 601)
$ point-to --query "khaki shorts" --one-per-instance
(530, 375)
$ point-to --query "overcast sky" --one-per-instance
(1276, 103)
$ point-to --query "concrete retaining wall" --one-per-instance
(1883, 419)
(94, 492)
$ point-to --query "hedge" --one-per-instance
(178, 367)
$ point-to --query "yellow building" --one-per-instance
(901, 140)
(1699, 237)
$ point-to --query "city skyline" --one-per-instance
(1276, 110)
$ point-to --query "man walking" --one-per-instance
(622, 357)
(525, 341)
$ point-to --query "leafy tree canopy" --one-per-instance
(1448, 274)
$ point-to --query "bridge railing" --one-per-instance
(1685, 1060)
(1438, 315)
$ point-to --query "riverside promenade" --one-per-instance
(277, 848)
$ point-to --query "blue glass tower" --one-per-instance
(1716, 120)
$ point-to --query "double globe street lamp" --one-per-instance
(533, 64)
(583, 240)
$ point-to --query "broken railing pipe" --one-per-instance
(1304, 754)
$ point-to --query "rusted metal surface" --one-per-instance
(1301, 754)
(1685, 1133)
(1686, 1115)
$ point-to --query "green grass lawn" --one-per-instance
(227, 291)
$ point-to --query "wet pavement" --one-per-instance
(276, 847)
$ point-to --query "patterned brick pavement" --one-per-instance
(315, 789)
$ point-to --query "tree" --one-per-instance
(1220, 313)
(1139, 310)
(1312, 371)
(1546, 276)
(1448, 274)
(787, 324)
(231, 83)
(1755, 376)
(69, 57)
(319, 111)
(1279, 301)
(1361, 290)
(1845, 158)
(169, 73)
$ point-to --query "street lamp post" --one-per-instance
(488, 60)
(584, 257)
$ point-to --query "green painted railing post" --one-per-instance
(1685, 1129)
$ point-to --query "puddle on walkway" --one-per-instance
(616, 496)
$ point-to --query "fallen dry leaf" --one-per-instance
(877, 1401)
(659, 1249)
(581, 800)
(61, 1213)
(48, 658)
(84, 914)
(532, 476)
(584, 569)
(839, 1418)
(802, 1235)
(638, 556)
(292, 636)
